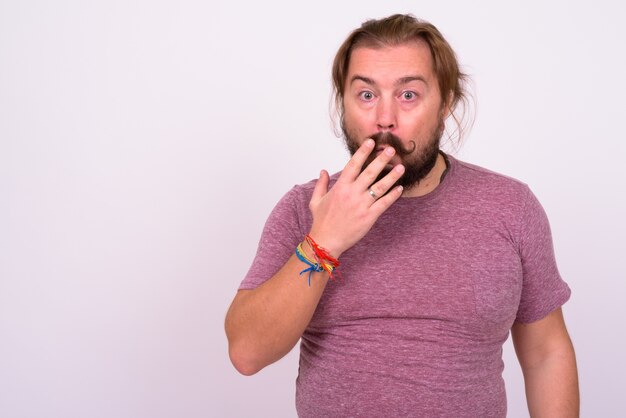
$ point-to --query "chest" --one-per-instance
(465, 271)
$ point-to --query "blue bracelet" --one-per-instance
(312, 266)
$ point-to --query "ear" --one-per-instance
(446, 108)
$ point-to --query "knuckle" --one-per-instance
(372, 170)
(352, 164)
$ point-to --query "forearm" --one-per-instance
(552, 385)
(262, 325)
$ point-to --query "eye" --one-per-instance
(409, 95)
(366, 95)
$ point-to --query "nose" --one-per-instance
(386, 115)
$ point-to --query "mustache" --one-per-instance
(387, 138)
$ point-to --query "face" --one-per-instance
(392, 96)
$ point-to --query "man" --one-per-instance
(432, 260)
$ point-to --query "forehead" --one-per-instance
(395, 62)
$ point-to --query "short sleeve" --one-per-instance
(543, 289)
(283, 231)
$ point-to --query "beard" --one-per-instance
(417, 162)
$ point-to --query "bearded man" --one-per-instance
(435, 260)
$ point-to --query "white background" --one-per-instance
(143, 144)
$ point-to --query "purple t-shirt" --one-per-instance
(415, 326)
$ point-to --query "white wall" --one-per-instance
(143, 144)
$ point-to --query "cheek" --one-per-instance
(357, 114)
(419, 125)
(354, 123)
(410, 128)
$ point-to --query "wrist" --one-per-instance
(323, 256)
(325, 242)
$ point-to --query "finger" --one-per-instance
(371, 172)
(380, 187)
(354, 166)
(382, 204)
(321, 187)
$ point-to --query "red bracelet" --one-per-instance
(327, 261)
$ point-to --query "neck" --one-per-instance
(430, 182)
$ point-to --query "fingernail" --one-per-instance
(369, 143)
(400, 168)
(390, 150)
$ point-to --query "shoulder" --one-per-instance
(501, 199)
(304, 191)
(481, 182)
(310, 185)
(294, 205)
(482, 175)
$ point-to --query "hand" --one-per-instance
(343, 215)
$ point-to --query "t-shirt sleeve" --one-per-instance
(283, 231)
(543, 289)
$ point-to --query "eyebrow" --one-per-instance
(399, 82)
